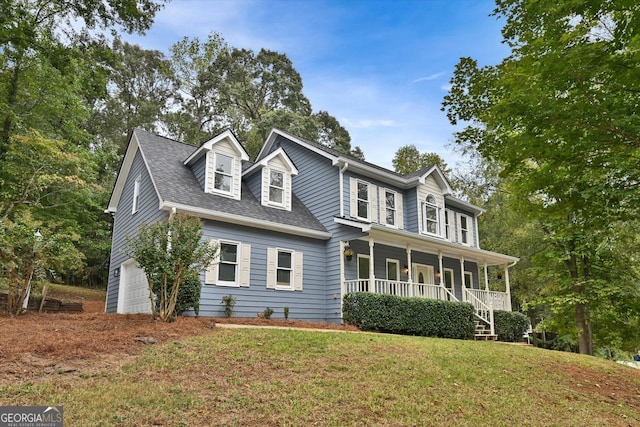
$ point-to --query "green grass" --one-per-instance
(247, 377)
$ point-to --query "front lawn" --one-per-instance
(270, 377)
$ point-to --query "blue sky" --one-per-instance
(380, 67)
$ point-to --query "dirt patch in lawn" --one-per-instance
(35, 345)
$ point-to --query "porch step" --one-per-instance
(483, 334)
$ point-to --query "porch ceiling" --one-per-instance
(400, 238)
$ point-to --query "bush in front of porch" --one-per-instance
(510, 325)
(409, 316)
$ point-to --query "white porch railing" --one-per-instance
(497, 300)
(482, 311)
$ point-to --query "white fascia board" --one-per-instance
(380, 175)
(127, 162)
(440, 179)
(403, 238)
(364, 227)
(206, 146)
(265, 161)
(249, 222)
(463, 205)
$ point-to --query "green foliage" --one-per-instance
(189, 293)
(408, 160)
(266, 314)
(286, 313)
(510, 325)
(554, 115)
(409, 316)
(167, 251)
(28, 251)
(229, 302)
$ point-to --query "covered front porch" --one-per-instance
(399, 263)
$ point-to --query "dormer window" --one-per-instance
(277, 171)
(217, 165)
(276, 187)
(223, 173)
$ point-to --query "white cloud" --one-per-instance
(429, 77)
(446, 87)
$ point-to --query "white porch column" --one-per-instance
(486, 278)
(462, 285)
(372, 276)
(343, 289)
(410, 272)
(440, 268)
(507, 286)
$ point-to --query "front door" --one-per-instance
(422, 274)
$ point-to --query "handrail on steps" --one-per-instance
(481, 307)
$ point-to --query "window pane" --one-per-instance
(391, 200)
(448, 279)
(284, 259)
(431, 213)
(431, 200)
(391, 217)
(392, 271)
(363, 209)
(284, 277)
(223, 164)
(463, 222)
(277, 179)
(275, 195)
(432, 227)
(227, 272)
(222, 182)
(228, 252)
(363, 268)
(363, 191)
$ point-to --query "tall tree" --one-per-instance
(197, 66)
(559, 116)
(409, 159)
(141, 86)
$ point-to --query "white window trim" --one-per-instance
(397, 264)
(358, 258)
(236, 282)
(290, 287)
(383, 214)
(468, 274)
(135, 203)
(297, 270)
(231, 175)
(424, 215)
(448, 222)
(358, 199)
(468, 230)
(444, 276)
(283, 188)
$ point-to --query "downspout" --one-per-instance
(341, 175)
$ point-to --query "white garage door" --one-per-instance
(133, 295)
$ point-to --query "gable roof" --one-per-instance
(208, 145)
(177, 187)
(360, 166)
(265, 162)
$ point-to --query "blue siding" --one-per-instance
(198, 169)
(126, 224)
(411, 215)
(254, 181)
(306, 304)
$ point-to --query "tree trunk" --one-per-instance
(572, 264)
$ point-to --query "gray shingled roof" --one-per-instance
(176, 183)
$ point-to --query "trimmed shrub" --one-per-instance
(409, 316)
(510, 325)
(189, 293)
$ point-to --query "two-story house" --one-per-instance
(300, 227)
